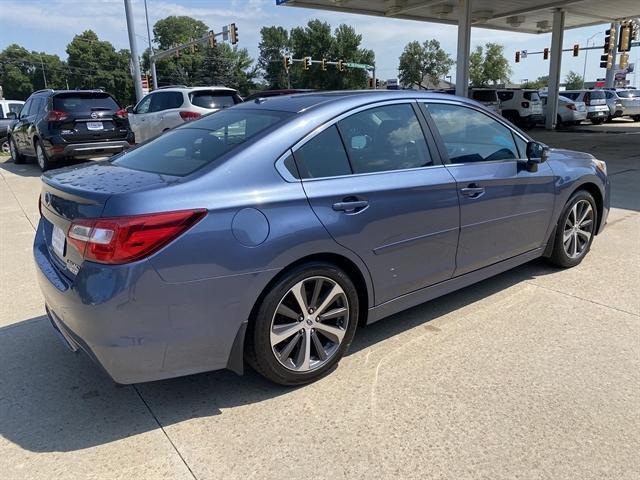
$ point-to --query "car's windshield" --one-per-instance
(184, 150)
(484, 95)
(597, 94)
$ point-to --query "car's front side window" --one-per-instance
(472, 136)
(143, 106)
(385, 138)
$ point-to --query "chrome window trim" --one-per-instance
(334, 122)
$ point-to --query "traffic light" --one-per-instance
(340, 66)
(576, 50)
(377, 83)
(609, 40)
(624, 44)
(287, 60)
(606, 61)
(323, 65)
(518, 57)
(545, 54)
(233, 33)
(306, 63)
(212, 39)
(624, 61)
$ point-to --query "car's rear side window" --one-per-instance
(323, 156)
(184, 150)
(212, 99)
(504, 96)
(84, 102)
(533, 96)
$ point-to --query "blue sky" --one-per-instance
(48, 25)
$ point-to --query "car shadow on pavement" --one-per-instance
(29, 168)
(54, 401)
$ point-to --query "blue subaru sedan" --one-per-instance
(268, 232)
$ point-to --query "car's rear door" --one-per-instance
(505, 209)
(376, 183)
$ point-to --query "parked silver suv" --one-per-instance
(595, 100)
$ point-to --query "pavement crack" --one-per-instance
(582, 298)
(164, 431)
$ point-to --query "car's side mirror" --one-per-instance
(537, 152)
(12, 115)
(129, 109)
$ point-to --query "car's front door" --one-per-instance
(164, 112)
(138, 118)
(505, 206)
(376, 183)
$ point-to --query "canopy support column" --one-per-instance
(464, 42)
(554, 68)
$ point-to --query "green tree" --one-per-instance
(573, 81)
(187, 67)
(16, 72)
(274, 44)
(488, 65)
(537, 84)
(93, 63)
(228, 66)
(315, 40)
(423, 64)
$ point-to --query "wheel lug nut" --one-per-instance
(311, 310)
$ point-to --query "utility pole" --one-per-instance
(586, 55)
(137, 79)
(152, 59)
(44, 75)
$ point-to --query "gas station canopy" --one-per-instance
(514, 15)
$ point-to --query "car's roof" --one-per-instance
(300, 102)
(193, 89)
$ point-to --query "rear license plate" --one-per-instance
(94, 126)
(58, 241)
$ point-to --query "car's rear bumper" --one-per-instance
(87, 150)
(597, 114)
(138, 327)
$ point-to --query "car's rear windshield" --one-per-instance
(532, 96)
(77, 102)
(184, 150)
(484, 95)
(628, 93)
(212, 99)
(597, 94)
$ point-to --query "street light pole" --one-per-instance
(586, 55)
(152, 60)
(137, 80)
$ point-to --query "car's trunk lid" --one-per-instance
(78, 193)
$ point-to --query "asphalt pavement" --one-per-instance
(533, 374)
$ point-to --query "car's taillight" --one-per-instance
(125, 239)
(188, 116)
(525, 104)
(57, 116)
(122, 114)
(571, 106)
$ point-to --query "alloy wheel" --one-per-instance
(42, 161)
(578, 229)
(5, 147)
(309, 324)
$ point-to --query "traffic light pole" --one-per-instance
(611, 72)
(137, 79)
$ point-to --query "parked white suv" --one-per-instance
(168, 107)
(521, 107)
(9, 111)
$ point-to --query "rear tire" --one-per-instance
(559, 122)
(575, 230)
(41, 157)
(597, 121)
(636, 118)
(15, 153)
(289, 341)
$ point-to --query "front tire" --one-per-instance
(15, 154)
(42, 157)
(575, 230)
(304, 324)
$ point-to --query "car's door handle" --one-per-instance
(472, 191)
(350, 205)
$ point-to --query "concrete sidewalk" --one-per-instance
(532, 374)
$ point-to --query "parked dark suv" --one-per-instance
(58, 124)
